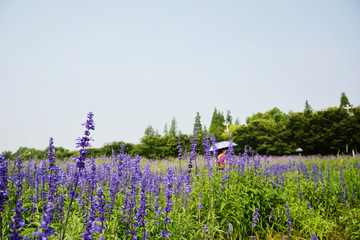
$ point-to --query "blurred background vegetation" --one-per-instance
(335, 130)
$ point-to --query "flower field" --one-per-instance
(127, 197)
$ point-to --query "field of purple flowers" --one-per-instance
(126, 197)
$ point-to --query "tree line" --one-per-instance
(335, 130)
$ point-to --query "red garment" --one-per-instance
(222, 158)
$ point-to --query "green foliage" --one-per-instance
(229, 117)
(111, 148)
(173, 128)
(344, 101)
(166, 131)
(197, 124)
(159, 147)
(308, 110)
(150, 131)
(217, 126)
(325, 132)
(7, 155)
(274, 114)
(237, 121)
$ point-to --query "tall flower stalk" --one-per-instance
(45, 223)
(82, 142)
(169, 178)
(3, 188)
(53, 176)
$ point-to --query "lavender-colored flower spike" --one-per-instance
(313, 237)
(53, 179)
(288, 219)
(169, 178)
(255, 219)
(3, 188)
(17, 221)
(229, 231)
(47, 219)
(84, 141)
(18, 177)
(3, 183)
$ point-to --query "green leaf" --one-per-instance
(28, 231)
(57, 225)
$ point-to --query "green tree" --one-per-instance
(217, 123)
(7, 154)
(344, 101)
(237, 121)
(275, 114)
(228, 117)
(173, 128)
(269, 137)
(166, 131)
(27, 153)
(149, 131)
(308, 109)
(197, 124)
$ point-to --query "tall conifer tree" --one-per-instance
(197, 124)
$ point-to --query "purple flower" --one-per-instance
(206, 228)
(47, 219)
(18, 177)
(53, 172)
(84, 141)
(192, 153)
(255, 217)
(165, 234)
(315, 173)
(169, 180)
(229, 231)
(17, 221)
(3, 184)
(81, 142)
(288, 219)
(91, 226)
(271, 215)
(342, 195)
(313, 236)
(101, 208)
(141, 213)
(157, 210)
(59, 208)
(200, 206)
(179, 147)
(207, 152)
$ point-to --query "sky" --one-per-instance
(140, 63)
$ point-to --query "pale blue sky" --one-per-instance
(141, 63)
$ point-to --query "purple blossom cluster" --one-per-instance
(3, 184)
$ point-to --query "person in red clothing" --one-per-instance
(222, 158)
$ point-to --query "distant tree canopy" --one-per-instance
(331, 131)
(274, 114)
